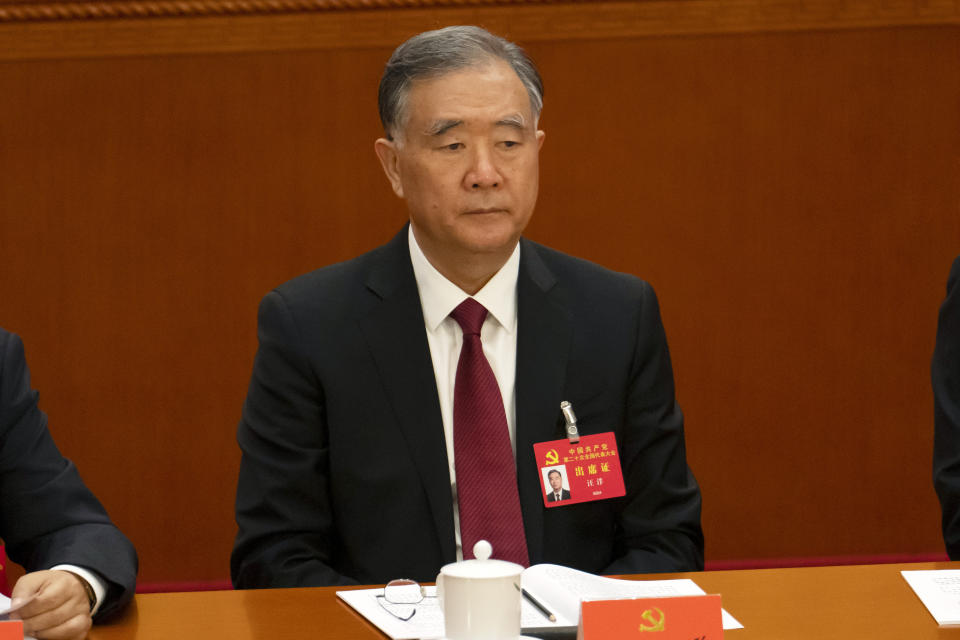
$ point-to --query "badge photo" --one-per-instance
(584, 471)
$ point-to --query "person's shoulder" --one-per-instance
(7, 338)
(586, 276)
(329, 277)
(338, 281)
(11, 348)
(13, 368)
(955, 271)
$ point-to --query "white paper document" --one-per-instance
(6, 609)
(565, 588)
(427, 622)
(939, 591)
(560, 589)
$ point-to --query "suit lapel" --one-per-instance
(397, 338)
(543, 343)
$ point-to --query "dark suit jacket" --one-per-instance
(47, 515)
(945, 375)
(344, 470)
(564, 495)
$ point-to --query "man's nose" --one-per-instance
(483, 172)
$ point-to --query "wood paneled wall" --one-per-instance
(788, 180)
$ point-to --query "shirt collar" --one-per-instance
(439, 296)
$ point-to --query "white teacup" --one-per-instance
(480, 598)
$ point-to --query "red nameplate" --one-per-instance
(588, 470)
(677, 618)
(11, 630)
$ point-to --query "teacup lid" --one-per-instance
(482, 566)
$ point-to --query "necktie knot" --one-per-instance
(470, 315)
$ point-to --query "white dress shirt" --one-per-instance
(438, 297)
(99, 588)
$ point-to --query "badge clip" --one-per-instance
(573, 435)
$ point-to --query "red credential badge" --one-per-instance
(582, 472)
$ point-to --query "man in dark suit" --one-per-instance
(81, 568)
(557, 492)
(356, 464)
(945, 375)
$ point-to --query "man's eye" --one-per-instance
(510, 143)
(453, 146)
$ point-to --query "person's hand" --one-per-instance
(60, 608)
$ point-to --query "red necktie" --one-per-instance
(483, 458)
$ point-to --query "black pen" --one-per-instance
(542, 609)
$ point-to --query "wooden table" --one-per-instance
(818, 603)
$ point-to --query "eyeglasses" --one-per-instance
(400, 598)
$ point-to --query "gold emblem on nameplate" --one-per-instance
(654, 618)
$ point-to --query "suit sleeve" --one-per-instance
(47, 514)
(659, 526)
(945, 378)
(286, 534)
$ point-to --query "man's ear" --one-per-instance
(540, 136)
(390, 161)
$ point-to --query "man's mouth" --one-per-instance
(486, 210)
